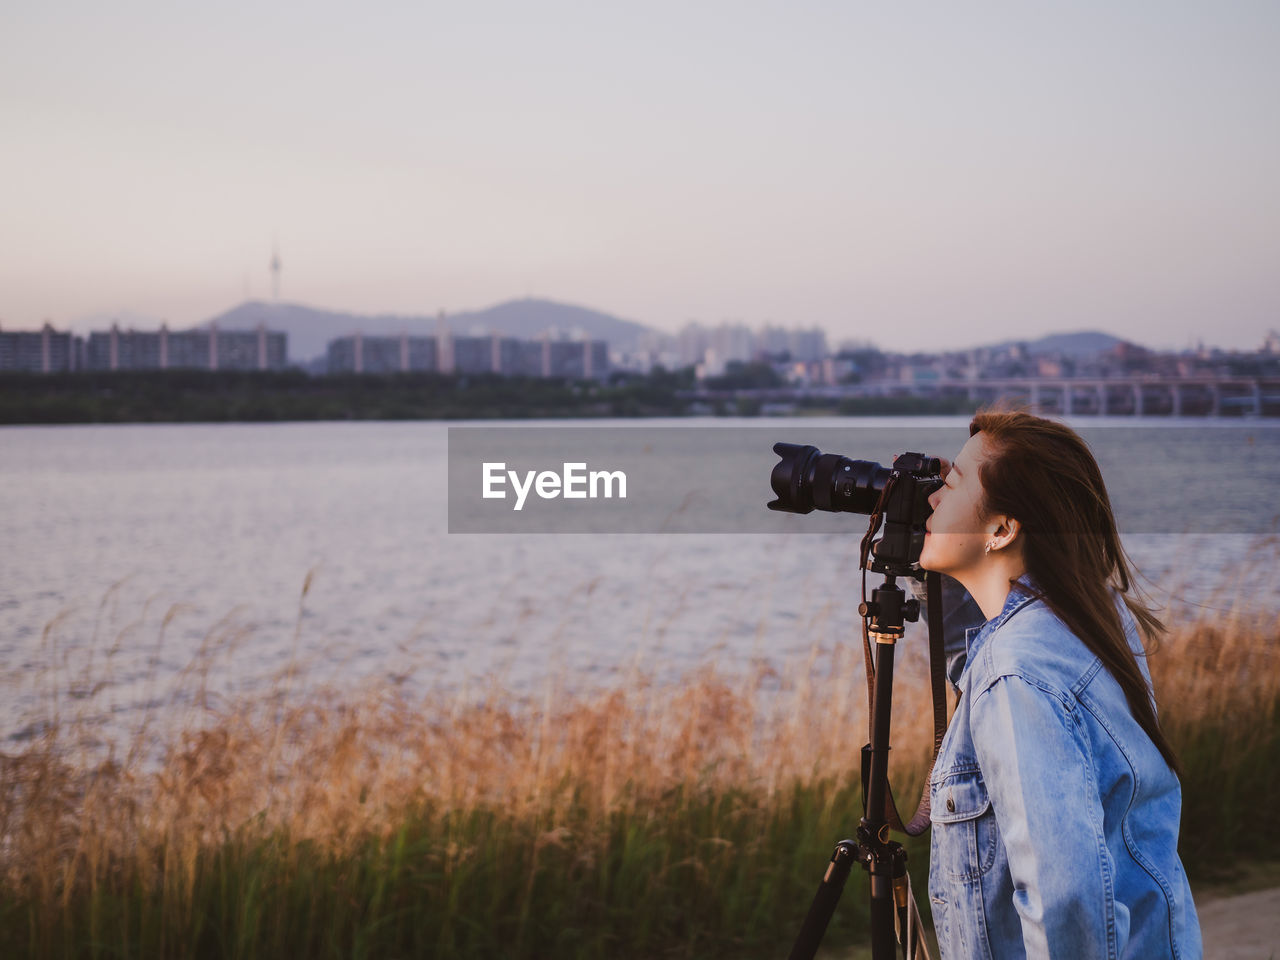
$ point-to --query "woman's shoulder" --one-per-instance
(1035, 645)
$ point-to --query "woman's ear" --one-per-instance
(1005, 533)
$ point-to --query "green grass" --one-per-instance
(695, 875)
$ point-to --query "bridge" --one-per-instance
(1132, 396)
(1198, 396)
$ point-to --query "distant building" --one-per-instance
(505, 354)
(361, 354)
(346, 354)
(209, 349)
(918, 373)
(39, 351)
(837, 370)
(187, 349)
(565, 358)
(691, 344)
(712, 349)
(807, 346)
(529, 358)
(578, 359)
(774, 341)
(473, 355)
(382, 355)
(732, 343)
(1048, 367)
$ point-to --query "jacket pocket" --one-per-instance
(965, 835)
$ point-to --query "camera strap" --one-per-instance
(919, 821)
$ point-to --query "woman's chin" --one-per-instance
(931, 562)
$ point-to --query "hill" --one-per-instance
(1081, 343)
(310, 329)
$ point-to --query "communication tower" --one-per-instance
(275, 272)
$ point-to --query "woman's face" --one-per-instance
(957, 531)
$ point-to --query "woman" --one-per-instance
(1055, 797)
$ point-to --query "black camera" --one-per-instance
(806, 479)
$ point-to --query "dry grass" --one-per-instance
(1218, 682)
(692, 817)
(335, 770)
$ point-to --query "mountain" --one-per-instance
(528, 318)
(1082, 343)
(310, 329)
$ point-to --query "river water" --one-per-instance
(129, 554)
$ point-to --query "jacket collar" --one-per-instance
(1021, 592)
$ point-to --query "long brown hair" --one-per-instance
(1043, 474)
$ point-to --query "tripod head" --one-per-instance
(889, 608)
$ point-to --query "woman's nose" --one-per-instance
(933, 498)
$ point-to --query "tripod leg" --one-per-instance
(824, 901)
(917, 939)
(884, 945)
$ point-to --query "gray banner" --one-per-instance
(715, 479)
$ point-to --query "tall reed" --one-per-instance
(689, 819)
(1218, 683)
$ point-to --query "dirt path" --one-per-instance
(1245, 926)
(1236, 925)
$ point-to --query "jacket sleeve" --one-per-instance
(1039, 776)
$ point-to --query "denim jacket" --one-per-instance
(1055, 818)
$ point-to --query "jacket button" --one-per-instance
(951, 804)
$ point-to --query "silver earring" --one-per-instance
(990, 544)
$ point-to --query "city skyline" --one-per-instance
(130, 321)
(940, 180)
(629, 346)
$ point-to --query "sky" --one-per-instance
(918, 175)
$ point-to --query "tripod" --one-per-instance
(884, 860)
(806, 479)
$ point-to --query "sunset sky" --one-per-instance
(919, 175)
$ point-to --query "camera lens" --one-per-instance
(805, 479)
